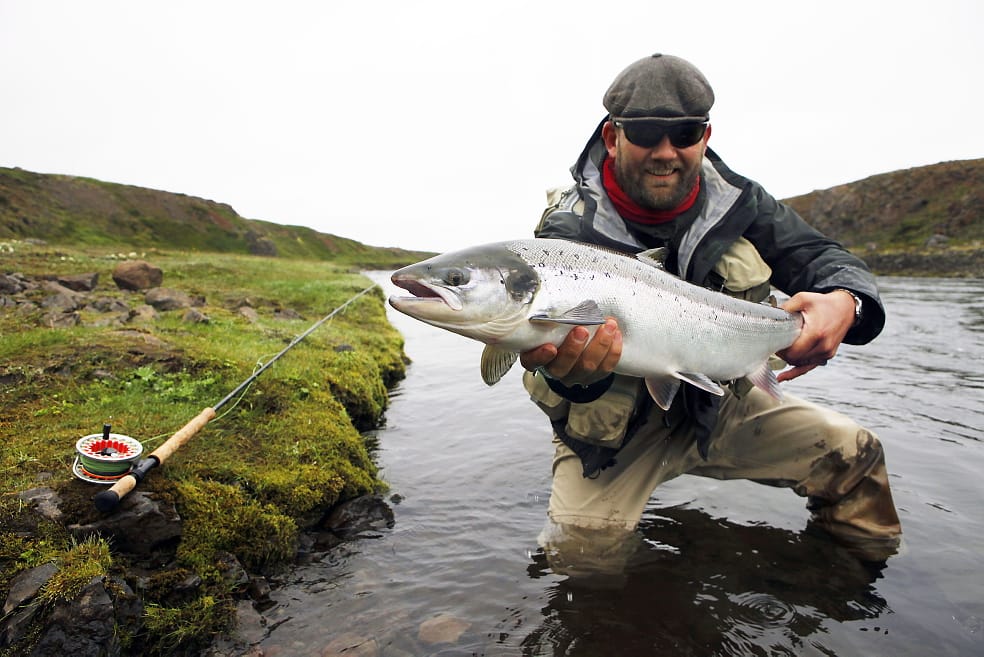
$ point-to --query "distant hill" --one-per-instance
(86, 212)
(926, 220)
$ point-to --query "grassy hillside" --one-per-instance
(79, 211)
(903, 210)
(921, 221)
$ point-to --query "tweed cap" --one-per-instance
(660, 87)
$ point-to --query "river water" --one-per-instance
(727, 568)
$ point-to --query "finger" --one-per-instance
(792, 373)
(538, 357)
(597, 351)
(569, 352)
(614, 352)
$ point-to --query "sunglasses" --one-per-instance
(648, 134)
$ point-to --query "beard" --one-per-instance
(638, 183)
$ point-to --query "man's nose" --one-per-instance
(664, 150)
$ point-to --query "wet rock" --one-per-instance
(90, 624)
(444, 628)
(25, 585)
(366, 514)
(232, 572)
(137, 275)
(18, 613)
(80, 282)
(141, 525)
(351, 644)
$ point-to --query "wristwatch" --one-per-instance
(857, 305)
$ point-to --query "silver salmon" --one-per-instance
(517, 295)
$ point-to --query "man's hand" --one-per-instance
(578, 360)
(826, 320)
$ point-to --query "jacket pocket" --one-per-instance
(744, 271)
(604, 421)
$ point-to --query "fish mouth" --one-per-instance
(424, 293)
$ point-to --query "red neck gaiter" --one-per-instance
(631, 210)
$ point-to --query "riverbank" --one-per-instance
(944, 262)
(254, 489)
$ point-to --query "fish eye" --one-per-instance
(455, 277)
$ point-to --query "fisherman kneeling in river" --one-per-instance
(647, 179)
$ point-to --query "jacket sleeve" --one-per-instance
(803, 259)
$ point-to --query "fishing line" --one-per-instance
(108, 458)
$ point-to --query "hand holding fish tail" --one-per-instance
(826, 320)
(580, 359)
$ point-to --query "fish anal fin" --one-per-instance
(700, 381)
(495, 363)
(663, 390)
(765, 379)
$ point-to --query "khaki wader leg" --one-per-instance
(818, 453)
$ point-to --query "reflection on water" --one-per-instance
(726, 589)
(715, 568)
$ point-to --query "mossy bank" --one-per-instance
(274, 461)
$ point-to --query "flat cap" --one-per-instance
(661, 87)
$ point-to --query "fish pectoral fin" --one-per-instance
(663, 390)
(586, 313)
(698, 380)
(654, 257)
(495, 363)
(765, 379)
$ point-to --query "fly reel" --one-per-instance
(103, 458)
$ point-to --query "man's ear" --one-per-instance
(609, 133)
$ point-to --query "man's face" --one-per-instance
(658, 177)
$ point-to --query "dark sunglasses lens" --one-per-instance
(687, 134)
(648, 135)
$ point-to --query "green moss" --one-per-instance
(192, 625)
(221, 517)
(76, 567)
(276, 457)
(355, 380)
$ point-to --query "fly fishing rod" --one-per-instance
(109, 499)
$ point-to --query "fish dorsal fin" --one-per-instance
(698, 380)
(586, 313)
(771, 301)
(663, 390)
(765, 379)
(495, 363)
(654, 257)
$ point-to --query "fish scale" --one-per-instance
(518, 295)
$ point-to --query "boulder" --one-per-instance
(137, 275)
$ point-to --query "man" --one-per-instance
(647, 179)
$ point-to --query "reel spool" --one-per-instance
(103, 458)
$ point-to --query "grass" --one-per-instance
(286, 450)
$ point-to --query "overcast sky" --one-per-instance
(436, 125)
